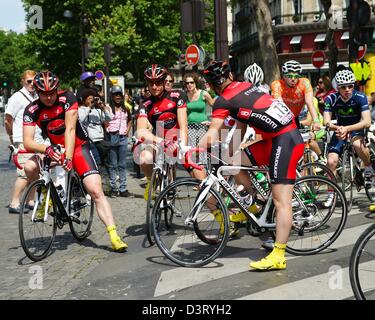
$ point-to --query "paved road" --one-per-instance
(90, 270)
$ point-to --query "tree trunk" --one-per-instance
(331, 44)
(266, 41)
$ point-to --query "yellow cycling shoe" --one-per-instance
(219, 218)
(372, 207)
(145, 195)
(118, 245)
(269, 263)
(237, 217)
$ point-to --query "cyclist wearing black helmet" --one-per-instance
(56, 113)
(281, 147)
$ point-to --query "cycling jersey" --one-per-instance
(245, 103)
(51, 120)
(293, 97)
(282, 146)
(346, 112)
(162, 112)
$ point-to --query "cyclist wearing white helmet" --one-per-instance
(255, 75)
(295, 91)
(353, 116)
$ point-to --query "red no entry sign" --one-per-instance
(99, 75)
(192, 54)
(318, 58)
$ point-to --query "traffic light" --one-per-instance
(108, 53)
(5, 83)
(182, 60)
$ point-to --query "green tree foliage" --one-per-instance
(15, 58)
(142, 32)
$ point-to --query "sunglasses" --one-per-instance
(47, 94)
(350, 86)
(157, 83)
(170, 81)
(189, 82)
(292, 76)
(29, 81)
(320, 82)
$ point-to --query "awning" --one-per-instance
(345, 35)
(296, 40)
(320, 37)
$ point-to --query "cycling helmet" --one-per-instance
(46, 81)
(291, 66)
(344, 77)
(116, 89)
(86, 75)
(217, 72)
(155, 72)
(254, 74)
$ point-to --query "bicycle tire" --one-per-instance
(313, 228)
(346, 178)
(317, 169)
(155, 182)
(207, 236)
(370, 192)
(38, 247)
(359, 280)
(81, 221)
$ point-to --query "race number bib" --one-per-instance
(280, 112)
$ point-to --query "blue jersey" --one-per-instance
(348, 112)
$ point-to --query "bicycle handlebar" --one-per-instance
(189, 163)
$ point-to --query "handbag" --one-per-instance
(114, 139)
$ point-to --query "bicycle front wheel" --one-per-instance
(362, 265)
(346, 178)
(37, 228)
(190, 243)
(315, 224)
(81, 210)
(370, 192)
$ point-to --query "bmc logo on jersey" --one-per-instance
(244, 113)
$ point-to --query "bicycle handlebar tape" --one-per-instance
(189, 164)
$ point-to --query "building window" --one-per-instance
(320, 41)
(295, 42)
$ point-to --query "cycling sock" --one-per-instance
(112, 232)
(278, 250)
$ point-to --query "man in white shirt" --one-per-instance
(14, 128)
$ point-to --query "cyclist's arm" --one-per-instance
(212, 134)
(8, 123)
(309, 99)
(182, 123)
(71, 117)
(364, 123)
(28, 140)
(144, 133)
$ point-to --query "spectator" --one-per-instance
(93, 114)
(14, 126)
(169, 81)
(87, 82)
(118, 130)
(324, 88)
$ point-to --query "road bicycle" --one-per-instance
(37, 229)
(362, 265)
(163, 173)
(199, 233)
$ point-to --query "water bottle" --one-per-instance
(261, 178)
(246, 198)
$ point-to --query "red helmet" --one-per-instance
(217, 72)
(46, 81)
(155, 72)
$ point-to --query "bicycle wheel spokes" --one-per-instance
(81, 211)
(37, 228)
(191, 244)
(316, 224)
(370, 192)
(346, 179)
(362, 266)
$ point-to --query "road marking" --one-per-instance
(181, 278)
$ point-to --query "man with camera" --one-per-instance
(94, 115)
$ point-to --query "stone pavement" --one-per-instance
(69, 261)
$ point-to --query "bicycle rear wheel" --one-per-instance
(370, 192)
(192, 244)
(362, 265)
(316, 169)
(155, 185)
(315, 226)
(81, 210)
(37, 229)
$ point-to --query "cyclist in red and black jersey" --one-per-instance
(56, 113)
(166, 112)
(281, 148)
